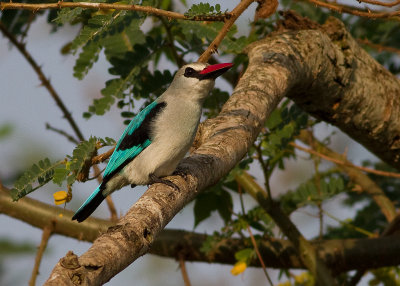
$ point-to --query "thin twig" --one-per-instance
(380, 3)
(182, 265)
(45, 82)
(252, 237)
(264, 168)
(213, 47)
(47, 231)
(349, 225)
(345, 163)
(63, 133)
(107, 6)
(349, 10)
(317, 179)
(378, 46)
(102, 157)
(253, 241)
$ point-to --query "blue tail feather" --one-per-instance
(90, 205)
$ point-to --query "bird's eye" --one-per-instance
(189, 72)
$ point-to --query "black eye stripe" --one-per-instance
(189, 72)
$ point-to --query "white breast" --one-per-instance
(174, 131)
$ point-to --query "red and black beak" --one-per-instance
(214, 71)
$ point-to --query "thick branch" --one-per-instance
(107, 6)
(341, 255)
(350, 90)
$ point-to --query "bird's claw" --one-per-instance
(180, 172)
(154, 179)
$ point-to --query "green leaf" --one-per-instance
(127, 114)
(205, 204)
(88, 56)
(245, 255)
(214, 199)
(113, 87)
(67, 15)
(107, 141)
(82, 152)
(116, 45)
(5, 130)
(96, 27)
(203, 9)
(60, 174)
(213, 103)
(38, 174)
(308, 193)
(134, 76)
(11, 247)
(117, 32)
(206, 32)
(224, 204)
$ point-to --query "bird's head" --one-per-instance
(197, 79)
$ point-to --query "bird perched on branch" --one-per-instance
(157, 139)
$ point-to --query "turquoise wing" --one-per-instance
(134, 140)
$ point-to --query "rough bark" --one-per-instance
(351, 91)
(339, 255)
(300, 64)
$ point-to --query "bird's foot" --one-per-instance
(154, 179)
(180, 172)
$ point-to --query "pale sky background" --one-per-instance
(28, 106)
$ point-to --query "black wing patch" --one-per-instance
(142, 133)
(140, 136)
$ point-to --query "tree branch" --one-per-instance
(339, 160)
(378, 47)
(381, 3)
(107, 6)
(340, 255)
(354, 11)
(349, 81)
(47, 231)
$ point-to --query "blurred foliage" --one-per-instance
(5, 130)
(137, 47)
(10, 247)
(310, 193)
(368, 216)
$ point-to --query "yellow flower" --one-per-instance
(302, 278)
(238, 268)
(60, 197)
(287, 283)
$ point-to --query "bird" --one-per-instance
(159, 136)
